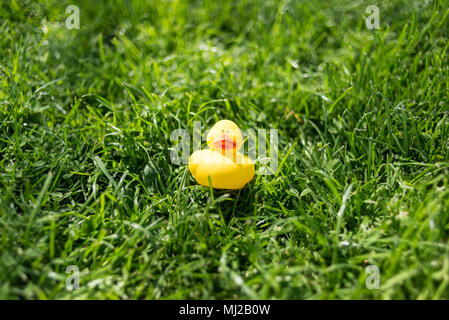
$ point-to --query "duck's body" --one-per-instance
(222, 163)
(225, 172)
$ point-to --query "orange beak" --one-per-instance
(225, 143)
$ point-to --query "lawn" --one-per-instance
(360, 196)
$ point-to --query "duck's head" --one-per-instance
(225, 135)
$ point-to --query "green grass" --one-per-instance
(85, 171)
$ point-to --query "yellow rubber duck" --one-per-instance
(226, 167)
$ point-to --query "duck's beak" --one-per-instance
(225, 143)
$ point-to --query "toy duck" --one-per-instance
(226, 167)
